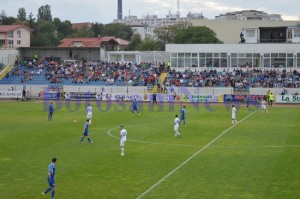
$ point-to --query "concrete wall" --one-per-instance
(34, 90)
(8, 57)
(229, 31)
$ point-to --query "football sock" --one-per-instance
(52, 194)
(81, 138)
(47, 190)
(89, 140)
(122, 150)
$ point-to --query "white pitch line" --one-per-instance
(186, 161)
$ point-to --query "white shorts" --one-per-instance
(264, 107)
(233, 117)
(176, 127)
(89, 115)
(122, 143)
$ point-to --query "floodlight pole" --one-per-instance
(99, 48)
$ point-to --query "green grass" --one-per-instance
(258, 158)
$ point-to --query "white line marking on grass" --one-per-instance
(186, 161)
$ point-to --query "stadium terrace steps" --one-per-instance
(6, 70)
(163, 76)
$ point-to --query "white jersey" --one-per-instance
(123, 134)
(233, 113)
(89, 110)
(176, 124)
(263, 105)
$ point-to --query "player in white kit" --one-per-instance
(176, 126)
(233, 115)
(89, 115)
(122, 138)
(263, 105)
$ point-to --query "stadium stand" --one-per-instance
(151, 75)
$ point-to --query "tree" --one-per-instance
(21, 14)
(44, 13)
(150, 45)
(196, 35)
(2, 16)
(98, 29)
(167, 34)
(31, 22)
(63, 28)
(45, 35)
(5, 20)
(118, 30)
(134, 42)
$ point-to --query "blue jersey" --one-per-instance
(51, 108)
(248, 100)
(182, 111)
(86, 128)
(134, 105)
(51, 172)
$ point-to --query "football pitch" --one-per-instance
(259, 158)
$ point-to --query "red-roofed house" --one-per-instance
(80, 26)
(106, 43)
(14, 36)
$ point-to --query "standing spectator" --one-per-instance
(271, 99)
(233, 115)
(122, 138)
(24, 94)
(51, 110)
(51, 178)
(268, 96)
(35, 58)
(86, 132)
(154, 99)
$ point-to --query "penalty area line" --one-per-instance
(190, 158)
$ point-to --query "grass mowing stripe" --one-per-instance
(186, 161)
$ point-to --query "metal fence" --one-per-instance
(8, 57)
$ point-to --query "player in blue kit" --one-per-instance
(51, 109)
(51, 179)
(182, 116)
(86, 132)
(134, 107)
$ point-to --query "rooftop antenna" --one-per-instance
(178, 13)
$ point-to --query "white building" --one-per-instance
(145, 25)
(226, 56)
(144, 30)
(155, 21)
(14, 36)
(249, 15)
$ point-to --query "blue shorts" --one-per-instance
(182, 118)
(51, 183)
(134, 109)
(85, 133)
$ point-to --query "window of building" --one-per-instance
(10, 43)
(250, 33)
(19, 42)
(10, 34)
(2, 42)
(19, 33)
(296, 33)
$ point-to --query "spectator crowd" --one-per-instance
(84, 72)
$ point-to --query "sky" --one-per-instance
(105, 11)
